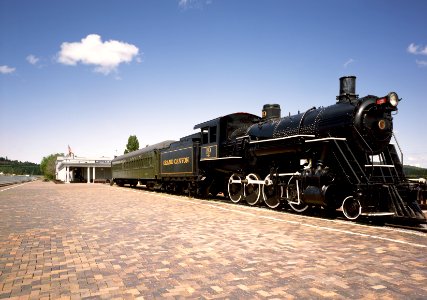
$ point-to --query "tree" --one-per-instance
(18, 167)
(132, 144)
(47, 166)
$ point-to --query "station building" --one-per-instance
(80, 169)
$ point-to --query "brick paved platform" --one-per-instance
(99, 242)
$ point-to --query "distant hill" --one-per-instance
(415, 172)
(18, 168)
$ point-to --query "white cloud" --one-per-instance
(91, 50)
(6, 70)
(416, 159)
(32, 59)
(193, 3)
(415, 49)
(348, 62)
(421, 63)
(412, 48)
(418, 50)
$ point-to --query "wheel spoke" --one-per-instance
(299, 207)
(270, 194)
(235, 188)
(252, 189)
(294, 196)
(351, 208)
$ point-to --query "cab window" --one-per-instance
(212, 134)
(205, 135)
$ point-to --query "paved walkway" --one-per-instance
(100, 242)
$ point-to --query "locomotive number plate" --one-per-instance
(209, 152)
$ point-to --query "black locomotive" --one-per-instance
(327, 157)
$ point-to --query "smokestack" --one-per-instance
(271, 111)
(347, 89)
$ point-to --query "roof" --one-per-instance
(77, 161)
(214, 122)
(160, 145)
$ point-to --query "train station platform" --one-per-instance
(81, 241)
(82, 169)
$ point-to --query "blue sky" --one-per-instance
(90, 73)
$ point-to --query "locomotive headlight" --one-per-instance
(393, 99)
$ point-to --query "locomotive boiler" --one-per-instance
(340, 156)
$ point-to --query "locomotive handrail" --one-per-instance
(326, 139)
(283, 138)
(366, 144)
(370, 149)
(348, 163)
(398, 146)
(242, 137)
(303, 117)
(381, 166)
(220, 158)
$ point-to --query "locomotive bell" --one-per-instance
(271, 111)
(347, 89)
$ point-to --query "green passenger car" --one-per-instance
(138, 166)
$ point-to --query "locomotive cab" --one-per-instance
(218, 132)
(210, 140)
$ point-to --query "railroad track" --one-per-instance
(7, 183)
(420, 229)
(2, 184)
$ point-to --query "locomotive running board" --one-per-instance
(283, 138)
(261, 182)
(379, 166)
(221, 158)
(378, 214)
(326, 139)
(245, 181)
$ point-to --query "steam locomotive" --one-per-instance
(332, 157)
